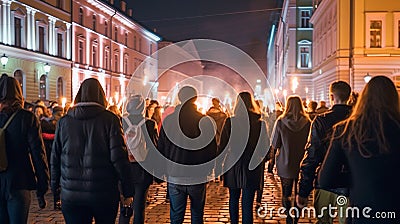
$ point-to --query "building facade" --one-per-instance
(292, 50)
(354, 40)
(36, 47)
(109, 46)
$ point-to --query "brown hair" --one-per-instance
(245, 103)
(378, 102)
(294, 108)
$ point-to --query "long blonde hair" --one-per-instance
(294, 108)
(378, 102)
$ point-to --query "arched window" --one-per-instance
(80, 19)
(60, 87)
(116, 33)
(19, 76)
(94, 22)
(42, 87)
(106, 28)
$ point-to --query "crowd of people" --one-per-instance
(92, 155)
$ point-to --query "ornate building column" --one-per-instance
(68, 37)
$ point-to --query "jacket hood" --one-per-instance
(85, 111)
(91, 91)
(216, 114)
(295, 125)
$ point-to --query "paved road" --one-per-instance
(216, 209)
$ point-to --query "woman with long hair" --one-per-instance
(89, 159)
(24, 150)
(289, 138)
(367, 146)
(244, 136)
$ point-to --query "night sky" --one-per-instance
(224, 20)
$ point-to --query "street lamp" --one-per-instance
(4, 60)
(47, 68)
(367, 77)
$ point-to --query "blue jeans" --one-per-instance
(104, 213)
(14, 206)
(178, 199)
(139, 204)
(247, 205)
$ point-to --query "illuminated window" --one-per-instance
(305, 16)
(80, 52)
(375, 33)
(106, 28)
(304, 54)
(80, 19)
(41, 38)
(43, 87)
(18, 75)
(60, 43)
(94, 22)
(60, 87)
(17, 31)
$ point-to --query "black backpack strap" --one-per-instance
(10, 119)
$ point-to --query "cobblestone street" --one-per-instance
(216, 208)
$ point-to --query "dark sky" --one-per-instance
(176, 20)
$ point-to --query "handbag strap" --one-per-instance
(10, 119)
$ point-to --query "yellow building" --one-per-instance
(35, 47)
(354, 40)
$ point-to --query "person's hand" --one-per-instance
(42, 202)
(127, 201)
(301, 202)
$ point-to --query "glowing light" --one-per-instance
(47, 68)
(306, 90)
(145, 80)
(284, 93)
(63, 102)
(295, 84)
(258, 81)
(4, 60)
(367, 78)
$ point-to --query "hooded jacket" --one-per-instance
(289, 138)
(89, 155)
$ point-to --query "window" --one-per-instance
(94, 22)
(60, 45)
(151, 49)
(134, 42)
(126, 39)
(116, 63)
(375, 33)
(305, 18)
(106, 58)
(80, 52)
(60, 87)
(43, 87)
(126, 65)
(140, 44)
(41, 38)
(59, 4)
(18, 75)
(94, 56)
(116, 34)
(17, 32)
(304, 54)
(80, 19)
(106, 28)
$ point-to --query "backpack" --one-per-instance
(3, 153)
(135, 141)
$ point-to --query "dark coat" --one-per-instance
(254, 147)
(140, 175)
(373, 180)
(317, 146)
(289, 138)
(89, 156)
(179, 149)
(27, 166)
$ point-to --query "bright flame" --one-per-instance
(63, 102)
(295, 84)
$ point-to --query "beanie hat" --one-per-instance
(187, 93)
(135, 105)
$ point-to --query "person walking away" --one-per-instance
(317, 146)
(243, 178)
(289, 138)
(89, 158)
(218, 115)
(134, 118)
(178, 146)
(367, 144)
(24, 150)
(322, 107)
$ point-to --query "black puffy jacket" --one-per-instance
(89, 156)
(317, 147)
(27, 166)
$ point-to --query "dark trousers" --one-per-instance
(103, 213)
(139, 204)
(287, 188)
(178, 199)
(14, 206)
(247, 205)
